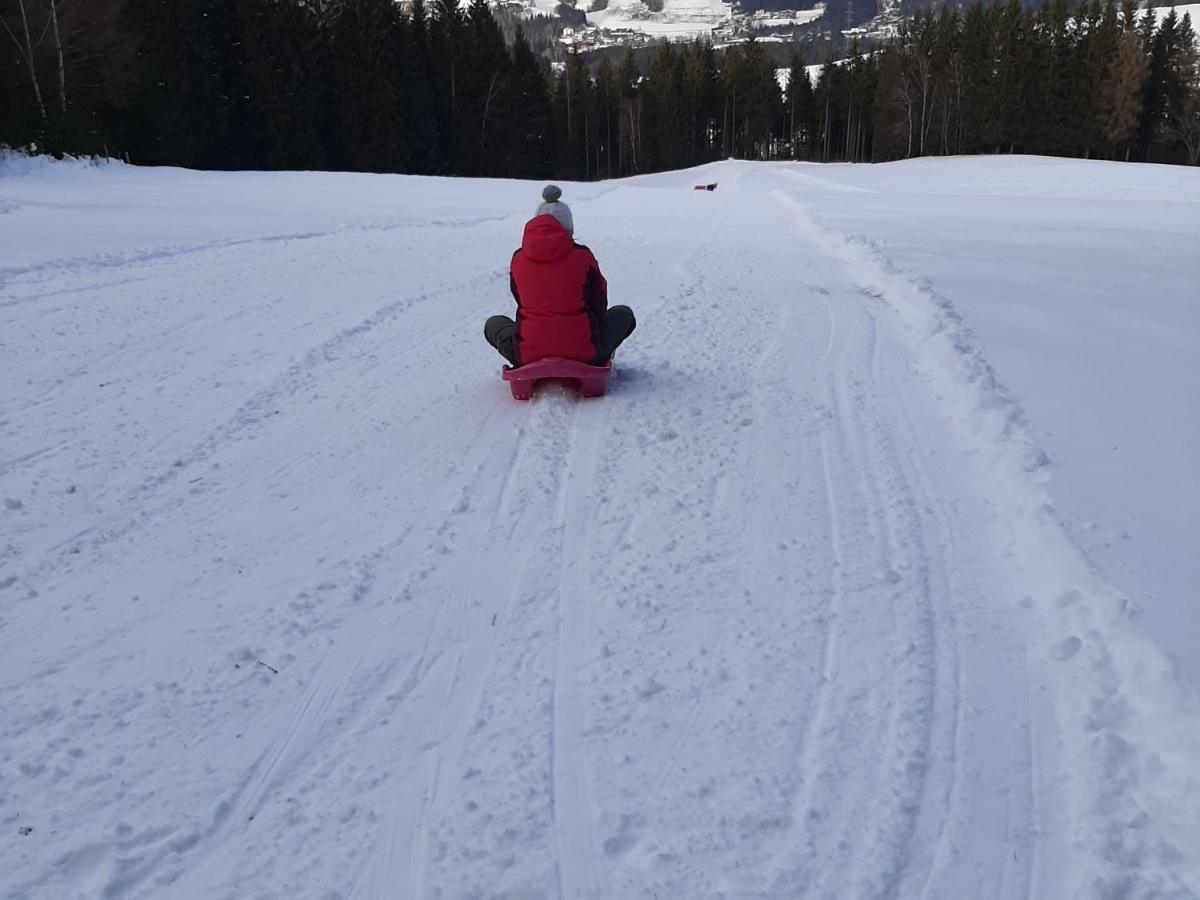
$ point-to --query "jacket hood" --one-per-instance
(546, 240)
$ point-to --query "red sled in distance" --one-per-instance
(705, 187)
(592, 380)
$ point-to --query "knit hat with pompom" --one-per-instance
(552, 206)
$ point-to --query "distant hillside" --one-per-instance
(591, 25)
(595, 24)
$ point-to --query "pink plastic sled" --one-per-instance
(592, 379)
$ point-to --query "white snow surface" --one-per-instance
(541, 7)
(1183, 9)
(1100, 345)
(679, 18)
(840, 592)
(784, 75)
(783, 19)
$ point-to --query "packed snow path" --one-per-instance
(299, 603)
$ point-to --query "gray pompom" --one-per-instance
(551, 193)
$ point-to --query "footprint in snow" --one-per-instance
(90, 868)
(1066, 648)
(619, 844)
(625, 839)
(1070, 598)
(650, 689)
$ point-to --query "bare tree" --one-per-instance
(955, 97)
(1121, 92)
(84, 42)
(493, 88)
(25, 48)
(1184, 124)
(906, 96)
(58, 52)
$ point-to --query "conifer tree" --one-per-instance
(891, 123)
(1053, 51)
(358, 84)
(447, 37)
(288, 94)
(1012, 84)
(666, 110)
(416, 70)
(531, 150)
(179, 115)
(701, 88)
(1154, 44)
(573, 111)
(980, 126)
(608, 111)
(1099, 32)
(1181, 129)
(484, 84)
(369, 94)
(752, 101)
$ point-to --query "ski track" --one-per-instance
(574, 809)
(739, 629)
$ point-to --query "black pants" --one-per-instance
(501, 333)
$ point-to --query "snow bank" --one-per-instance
(1136, 715)
(1096, 334)
(19, 163)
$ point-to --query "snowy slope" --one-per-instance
(1099, 342)
(297, 602)
(678, 19)
(1181, 10)
(682, 19)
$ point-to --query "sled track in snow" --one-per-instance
(360, 665)
(885, 512)
(87, 266)
(573, 801)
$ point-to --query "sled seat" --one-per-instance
(591, 379)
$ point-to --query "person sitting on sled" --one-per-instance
(562, 299)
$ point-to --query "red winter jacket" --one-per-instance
(561, 295)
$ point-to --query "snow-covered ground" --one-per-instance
(678, 19)
(840, 592)
(782, 20)
(1098, 342)
(540, 7)
(1181, 10)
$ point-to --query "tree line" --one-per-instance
(1091, 80)
(367, 85)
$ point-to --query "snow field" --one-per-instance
(1181, 10)
(1097, 345)
(679, 18)
(303, 604)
